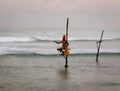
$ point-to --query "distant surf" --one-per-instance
(33, 41)
(46, 39)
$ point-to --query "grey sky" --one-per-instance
(53, 13)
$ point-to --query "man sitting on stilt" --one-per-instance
(64, 44)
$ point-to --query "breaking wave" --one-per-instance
(46, 39)
(38, 51)
(38, 45)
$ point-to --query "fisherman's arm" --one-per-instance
(58, 42)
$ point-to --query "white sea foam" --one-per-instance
(80, 42)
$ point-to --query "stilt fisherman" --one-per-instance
(64, 49)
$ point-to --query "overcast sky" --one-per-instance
(53, 13)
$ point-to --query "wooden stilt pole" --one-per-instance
(98, 46)
(66, 57)
(66, 62)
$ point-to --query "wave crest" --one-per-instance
(46, 39)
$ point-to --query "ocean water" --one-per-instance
(40, 40)
(29, 60)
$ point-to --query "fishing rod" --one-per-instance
(47, 34)
(50, 38)
(54, 38)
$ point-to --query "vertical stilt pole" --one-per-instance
(66, 57)
(98, 46)
(66, 62)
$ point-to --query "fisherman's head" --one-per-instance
(64, 37)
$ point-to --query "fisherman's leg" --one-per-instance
(59, 49)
